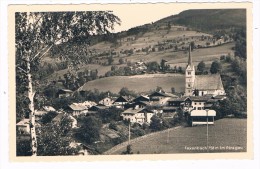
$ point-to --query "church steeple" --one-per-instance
(190, 59)
(189, 76)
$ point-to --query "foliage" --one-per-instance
(54, 139)
(128, 150)
(126, 92)
(201, 66)
(215, 67)
(153, 66)
(113, 126)
(156, 123)
(111, 114)
(23, 148)
(47, 118)
(240, 46)
(89, 130)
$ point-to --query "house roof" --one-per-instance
(122, 99)
(23, 122)
(208, 82)
(170, 107)
(134, 111)
(199, 98)
(220, 97)
(203, 113)
(77, 107)
(163, 94)
(66, 90)
(142, 98)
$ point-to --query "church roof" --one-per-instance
(208, 82)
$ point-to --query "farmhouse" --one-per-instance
(200, 85)
(121, 101)
(137, 115)
(64, 93)
(61, 116)
(107, 101)
(23, 126)
(161, 98)
(77, 109)
(202, 116)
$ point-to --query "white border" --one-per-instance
(4, 135)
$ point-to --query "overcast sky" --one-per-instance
(139, 14)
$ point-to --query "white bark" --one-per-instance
(31, 108)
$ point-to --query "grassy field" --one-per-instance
(138, 83)
(227, 135)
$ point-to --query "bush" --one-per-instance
(113, 126)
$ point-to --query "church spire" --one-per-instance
(190, 60)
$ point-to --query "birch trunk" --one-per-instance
(32, 111)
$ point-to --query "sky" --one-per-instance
(139, 14)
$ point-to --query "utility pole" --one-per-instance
(129, 133)
(207, 131)
(168, 135)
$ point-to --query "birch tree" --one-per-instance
(36, 33)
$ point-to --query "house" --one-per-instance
(142, 99)
(96, 108)
(76, 109)
(198, 102)
(161, 98)
(107, 101)
(202, 117)
(64, 93)
(60, 116)
(23, 126)
(121, 101)
(200, 85)
(137, 115)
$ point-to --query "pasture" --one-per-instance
(137, 83)
(226, 135)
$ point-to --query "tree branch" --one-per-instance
(22, 70)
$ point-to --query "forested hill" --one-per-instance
(208, 19)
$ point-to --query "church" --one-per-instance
(200, 85)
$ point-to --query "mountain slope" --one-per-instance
(208, 19)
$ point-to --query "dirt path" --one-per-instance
(124, 144)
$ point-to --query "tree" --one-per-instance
(36, 33)
(192, 45)
(121, 61)
(215, 67)
(201, 67)
(89, 130)
(126, 92)
(53, 139)
(110, 60)
(128, 150)
(156, 123)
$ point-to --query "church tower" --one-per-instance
(189, 76)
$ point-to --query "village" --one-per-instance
(194, 107)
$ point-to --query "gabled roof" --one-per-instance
(122, 99)
(23, 122)
(208, 82)
(199, 98)
(163, 94)
(77, 107)
(141, 98)
(134, 111)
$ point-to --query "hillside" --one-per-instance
(166, 39)
(208, 20)
(138, 83)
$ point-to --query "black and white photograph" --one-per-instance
(110, 81)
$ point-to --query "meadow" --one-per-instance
(137, 83)
(226, 135)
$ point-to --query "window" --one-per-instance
(189, 73)
(188, 85)
(195, 103)
(200, 103)
(199, 108)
